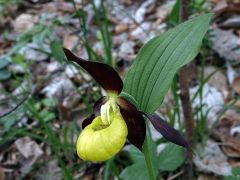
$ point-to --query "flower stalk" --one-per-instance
(148, 160)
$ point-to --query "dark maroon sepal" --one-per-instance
(87, 121)
(135, 122)
(104, 74)
(166, 130)
(98, 104)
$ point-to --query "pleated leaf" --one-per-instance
(152, 72)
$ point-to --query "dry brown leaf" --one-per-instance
(236, 84)
(211, 159)
(142, 10)
(207, 177)
(69, 41)
(226, 44)
(218, 79)
(235, 163)
(52, 170)
(224, 7)
(24, 22)
(2, 175)
(231, 22)
(30, 150)
(212, 99)
(120, 28)
(225, 132)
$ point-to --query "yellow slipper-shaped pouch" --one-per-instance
(99, 142)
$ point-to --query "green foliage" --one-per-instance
(171, 157)
(9, 120)
(6, 4)
(138, 170)
(110, 168)
(235, 174)
(157, 62)
(57, 51)
(43, 108)
(3, 63)
(173, 18)
(4, 73)
(135, 171)
(104, 34)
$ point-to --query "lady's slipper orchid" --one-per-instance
(115, 119)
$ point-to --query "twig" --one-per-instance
(19, 104)
(176, 175)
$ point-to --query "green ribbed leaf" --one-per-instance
(152, 72)
(171, 157)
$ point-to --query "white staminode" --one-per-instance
(107, 109)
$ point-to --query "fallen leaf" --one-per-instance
(211, 159)
(30, 150)
(126, 51)
(218, 79)
(50, 171)
(59, 86)
(31, 54)
(141, 11)
(232, 22)
(207, 177)
(236, 84)
(227, 130)
(69, 41)
(141, 32)
(120, 28)
(24, 22)
(226, 44)
(212, 99)
(2, 175)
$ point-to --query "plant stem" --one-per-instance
(147, 154)
(185, 98)
(184, 84)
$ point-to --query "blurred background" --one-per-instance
(44, 98)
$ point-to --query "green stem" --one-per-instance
(148, 159)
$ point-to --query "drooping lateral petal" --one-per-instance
(135, 122)
(104, 74)
(166, 130)
(98, 104)
(87, 121)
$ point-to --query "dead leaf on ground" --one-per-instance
(30, 150)
(69, 41)
(30, 52)
(236, 84)
(50, 171)
(224, 7)
(60, 86)
(211, 159)
(212, 99)
(226, 44)
(24, 22)
(231, 22)
(126, 51)
(142, 10)
(120, 28)
(228, 131)
(207, 177)
(2, 175)
(218, 79)
(142, 32)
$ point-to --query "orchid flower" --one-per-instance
(115, 119)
